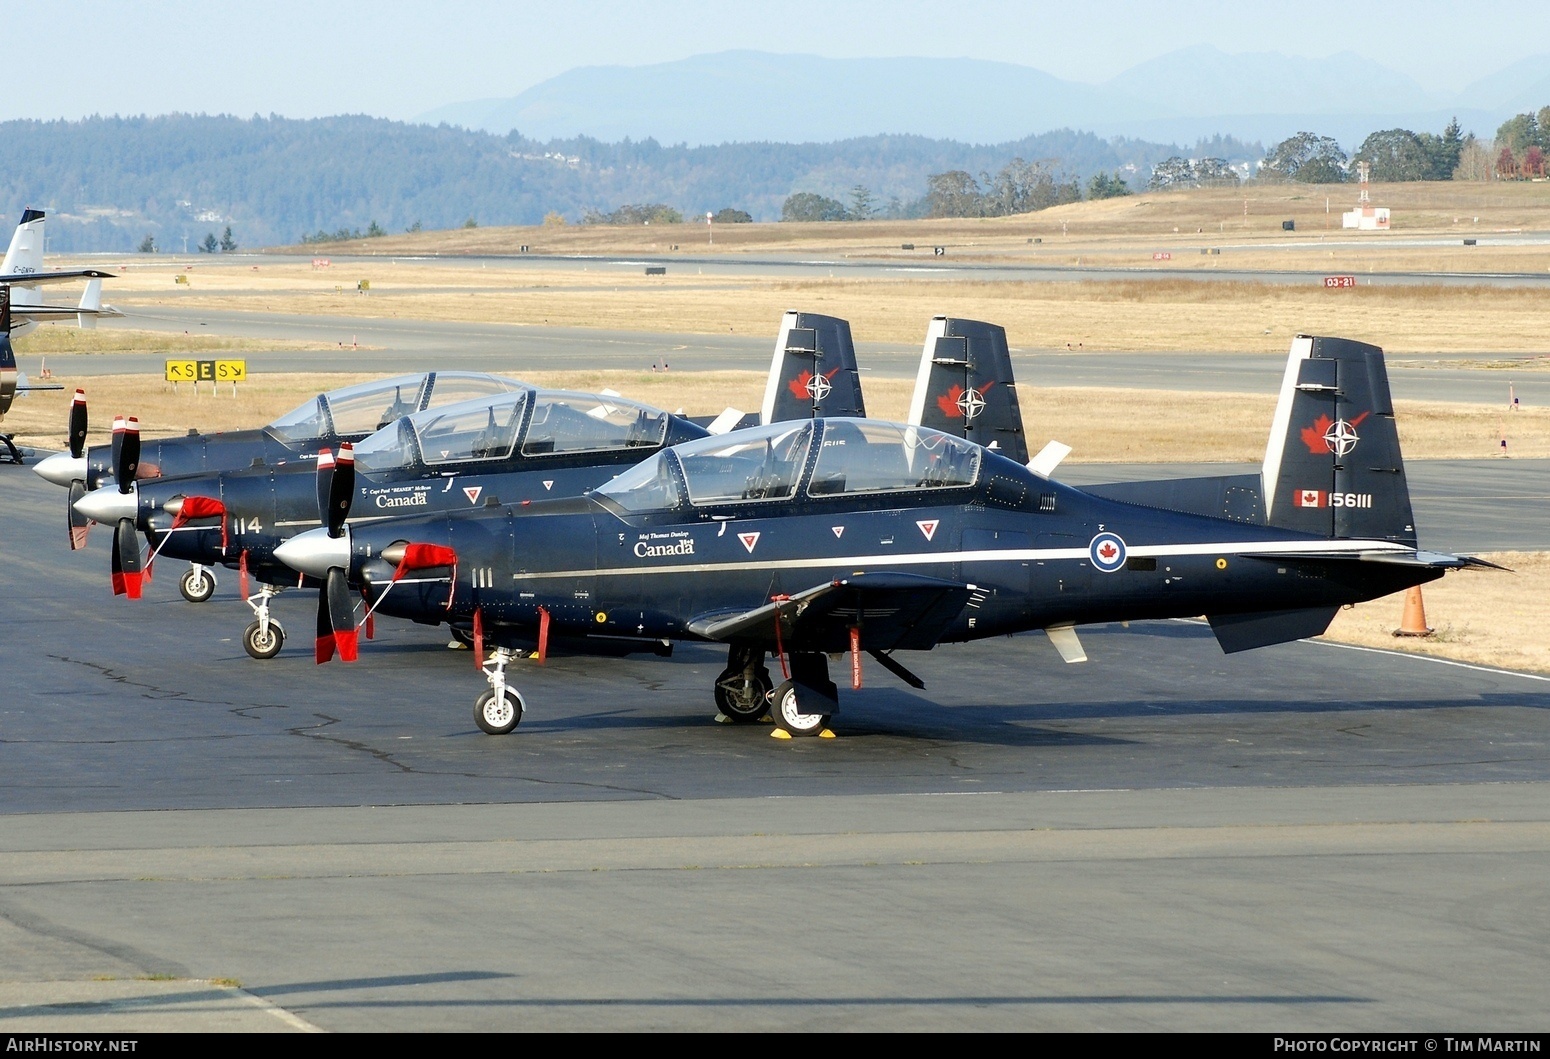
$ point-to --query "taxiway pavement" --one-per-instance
(1305, 837)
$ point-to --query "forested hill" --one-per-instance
(107, 183)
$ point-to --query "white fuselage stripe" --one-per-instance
(860, 562)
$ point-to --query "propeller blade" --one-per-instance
(126, 454)
(118, 439)
(336, 628)
(78, 523)
(77, 425)
(341, 490)
(127, 576)
(325, 483)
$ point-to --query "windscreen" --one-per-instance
(585, 422)
(760, 463)
(867, 456)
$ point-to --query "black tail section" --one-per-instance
(814, 370)
(1333, 465)
(965, 386)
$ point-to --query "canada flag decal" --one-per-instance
(472, 492)
(749, 540)
(1309, 498)
(928, 527)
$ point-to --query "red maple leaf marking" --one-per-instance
(948, 402)
(798, 385)
(1313, 436)
(1108, 551)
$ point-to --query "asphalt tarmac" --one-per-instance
(1304, 837)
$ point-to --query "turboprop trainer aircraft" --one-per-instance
(524, 445)
(519, 446)
(805, 539)
(23, 271)
(324, 421)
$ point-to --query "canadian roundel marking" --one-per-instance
(1107, 552)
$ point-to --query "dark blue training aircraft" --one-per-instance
(322, 422)
(519, 447)
(805, 539)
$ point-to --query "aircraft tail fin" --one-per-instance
(1333, 465)
(814, 370)
(25, 254)
(965, 386)
(91, 302)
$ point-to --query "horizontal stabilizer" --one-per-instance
(727, 420)
(33, 279)
(1244, 632)
(1049, 458)
(1065, 641)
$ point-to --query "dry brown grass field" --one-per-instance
(1209, 217)
(1103, 425)
(1120, 314)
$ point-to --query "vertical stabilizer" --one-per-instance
(813, 372)
(965, 386)
(1333, 465)
(91, 302)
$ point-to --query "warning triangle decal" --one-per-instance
(839, 531)
(472, 492)
(749, 540)
(928, 527)
(549, 484)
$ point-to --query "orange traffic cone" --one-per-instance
(1413, 623)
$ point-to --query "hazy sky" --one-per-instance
(396, 59)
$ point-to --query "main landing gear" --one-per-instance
(803, 704)
(500, 709)
(198, 584)
(743, 688)
(264, 637)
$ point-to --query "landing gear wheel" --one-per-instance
(197, 585)
(497, 716)
(742, 700)
(261, 645)
(789, 714)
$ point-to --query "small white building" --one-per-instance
(1366, 218)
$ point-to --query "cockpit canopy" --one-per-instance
(370, 406)
(855, 456)
(547, 423)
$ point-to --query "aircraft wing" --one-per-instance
(33, 279)
(44, 313)
(893, 610)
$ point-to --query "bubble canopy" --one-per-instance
(546, 423)
(369, 406)
(770, 463)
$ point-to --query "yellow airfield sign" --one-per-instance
(232, 371)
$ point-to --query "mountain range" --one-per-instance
(1193, 93)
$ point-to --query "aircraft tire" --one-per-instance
(742, 702)
(197, 586)
(789, 714)
(263, 647)
(499, 718)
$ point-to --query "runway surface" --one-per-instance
(1166, 838)
(415, 345)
